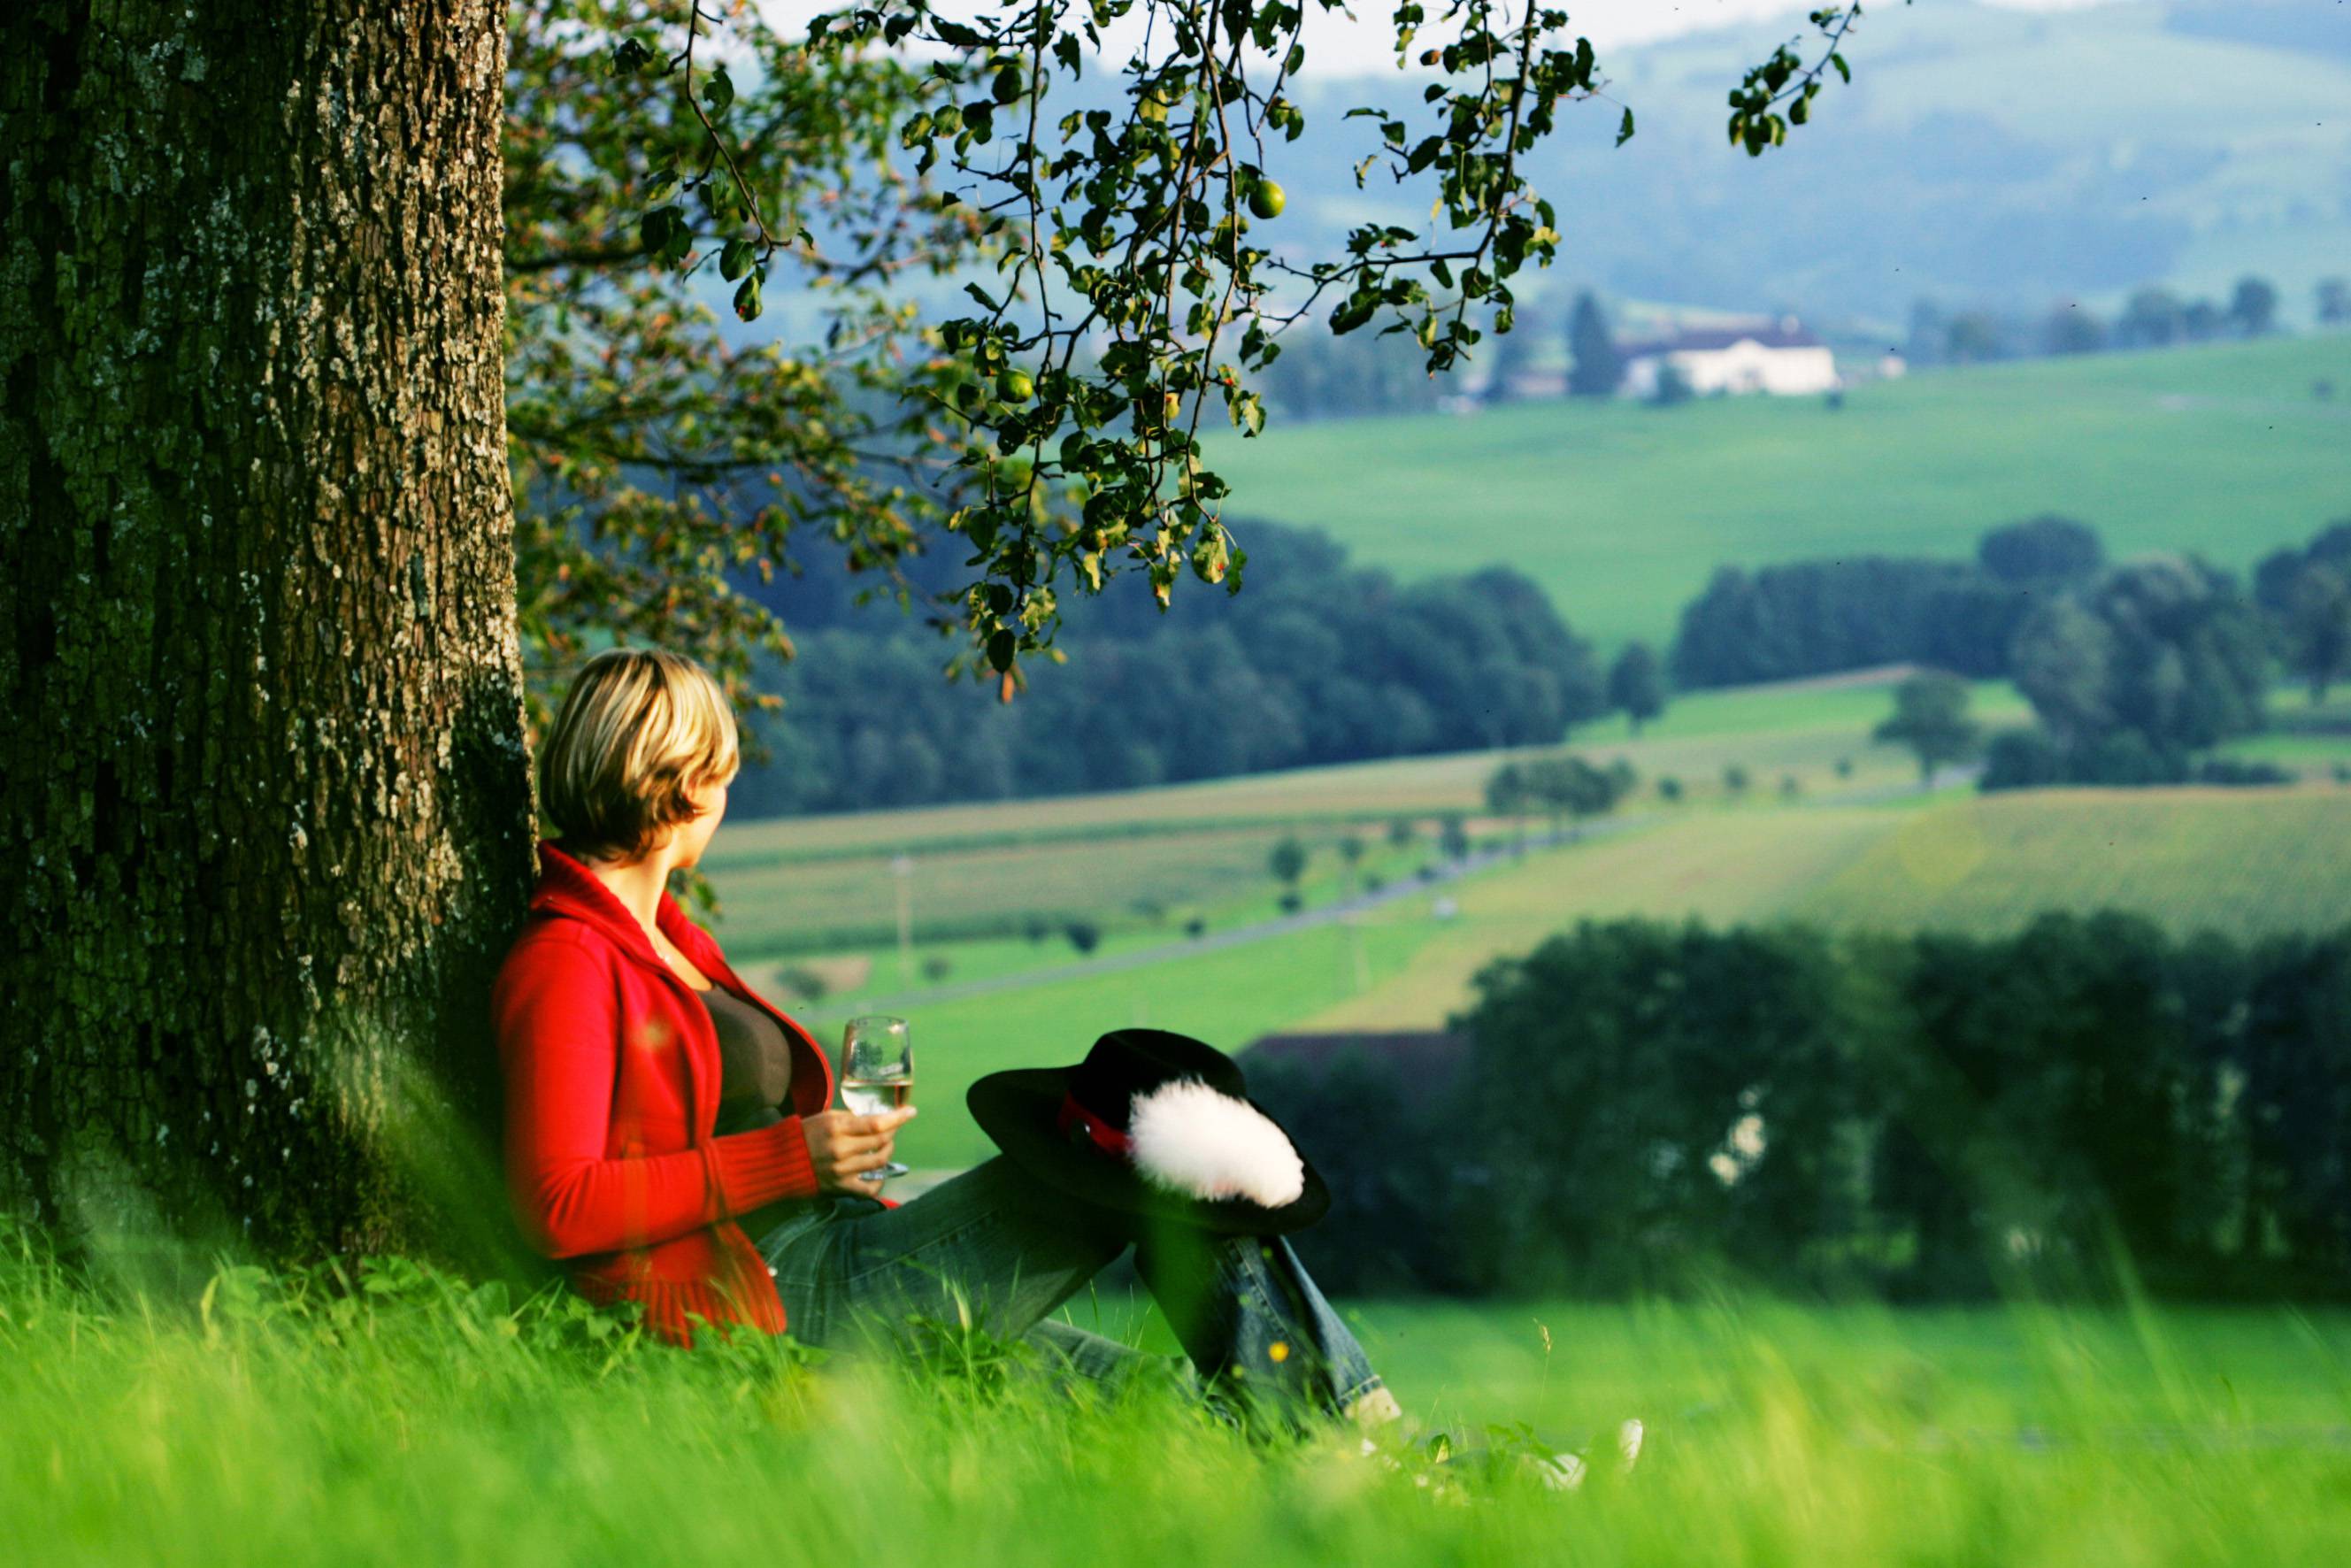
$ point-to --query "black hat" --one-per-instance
(1153, 1123)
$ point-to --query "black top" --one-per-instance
(756, 1062)
(755, 1082)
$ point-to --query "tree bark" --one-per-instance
(264, 778)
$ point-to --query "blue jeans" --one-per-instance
(1257, 1334)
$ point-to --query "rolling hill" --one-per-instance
(1622, 511)
(1981, 155)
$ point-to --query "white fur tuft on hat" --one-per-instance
(1191, 1139)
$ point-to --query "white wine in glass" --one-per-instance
(877, 1074)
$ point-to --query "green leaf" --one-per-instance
(735, 259)
(719, 94)
(1625, 129)
(1001, 647)
(747, 299)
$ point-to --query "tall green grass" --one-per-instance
(393, 1416)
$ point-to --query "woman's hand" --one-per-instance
(842, 1145)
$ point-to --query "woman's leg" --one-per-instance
(1251, 1318)
(991, 1240)
(1242, 1307)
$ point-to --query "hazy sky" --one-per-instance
(1366, 45)
(1335, 45)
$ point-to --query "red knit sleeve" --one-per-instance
(558, 1044)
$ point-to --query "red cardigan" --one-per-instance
(611, 1073)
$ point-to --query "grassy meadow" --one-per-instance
(1622, 511)
(419, 1419)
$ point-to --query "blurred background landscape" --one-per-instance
(1903, 578)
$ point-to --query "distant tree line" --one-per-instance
(1931, 1116)
(1319, 662)
(1341, 378)
(2152, 317)
(1818, 617)
(1319, 376)
(2134, 670)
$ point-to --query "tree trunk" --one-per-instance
(264, 771)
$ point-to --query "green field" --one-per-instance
(2247, 864)
(1140, 863)
(1159, 877)
(1724, 867)
(2243, 864)
(418, 1421)
(1622, 511)
(1811, 723)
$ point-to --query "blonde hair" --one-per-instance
(637, 730)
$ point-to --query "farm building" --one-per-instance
(1781, 358)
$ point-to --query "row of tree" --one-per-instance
(2131, 670)
(1933, 1115)
(1319, 662)
(1346, 377)
(1342, 378)
(2152, 317)
(1817, 617)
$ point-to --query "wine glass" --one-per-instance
(877, 1074)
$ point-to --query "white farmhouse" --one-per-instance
(1778, 358)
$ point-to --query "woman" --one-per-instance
(669, 1134)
